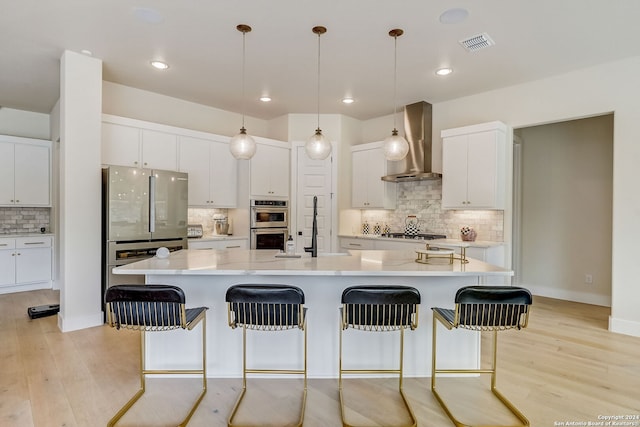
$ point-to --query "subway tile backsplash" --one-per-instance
(24, 220)
(423, 199)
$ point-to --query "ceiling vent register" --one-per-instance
(477, 42)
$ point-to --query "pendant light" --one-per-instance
(318, 146)
(395, 146)
(242, 146)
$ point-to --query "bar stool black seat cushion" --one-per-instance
(380, 305)
(488, 306)
(149, 305)
(265, 305)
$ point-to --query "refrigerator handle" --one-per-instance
(152, 203)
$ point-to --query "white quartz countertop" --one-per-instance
(264, 262)
(448, 242)
(217, 238)
(12, 236)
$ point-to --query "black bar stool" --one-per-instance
(482, 308)
(154, 308)
(379, 309)
(267, 308)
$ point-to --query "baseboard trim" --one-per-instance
(80, 322)
(626, 327)
(567, 295)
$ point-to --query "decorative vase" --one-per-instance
(365, 227)
(470, 236)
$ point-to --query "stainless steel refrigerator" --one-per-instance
(143, 209)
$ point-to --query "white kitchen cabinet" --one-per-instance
(368, 165)
(270, 172)
(474, 167)
(212, 170)
(126, 145)
(25, 172)
(219, 244)
(25, 263)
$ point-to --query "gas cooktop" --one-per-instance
(425, 236)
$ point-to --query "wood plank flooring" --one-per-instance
(565, 367)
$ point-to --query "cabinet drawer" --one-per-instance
(33, 242)
(7, 243)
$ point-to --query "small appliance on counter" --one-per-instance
(220, 225)
(194, 231)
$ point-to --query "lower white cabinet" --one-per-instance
(219, 244)
(353, 243)
(25, 263)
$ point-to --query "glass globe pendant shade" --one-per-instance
(242, 146)
(318, 147)
(395, 147)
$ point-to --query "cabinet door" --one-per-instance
(32, 175)
(159, 150)
(223, 176)
(482, 170)
(33, 265)
(195, 160)
(6, 173)
(7, 264)
(359, 185)
(120, 145)
(454, 172)
(270, 172)
(376, 188)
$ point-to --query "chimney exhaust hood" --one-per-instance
(418, 132)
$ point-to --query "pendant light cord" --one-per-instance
(318, 81)
(244, 35)
(395, 80)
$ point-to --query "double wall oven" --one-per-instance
(269, 224)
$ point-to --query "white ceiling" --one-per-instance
(198, 38)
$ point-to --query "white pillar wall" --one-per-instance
(80, 191)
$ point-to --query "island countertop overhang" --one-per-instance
(264, 262)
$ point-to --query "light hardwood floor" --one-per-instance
(565, 367)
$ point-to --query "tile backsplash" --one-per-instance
(423, 199)
(24, 220)
(205, 217)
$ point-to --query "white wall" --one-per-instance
(567, 171)
(24, 123)
(139, 104)
(80, 191)
(611, 87)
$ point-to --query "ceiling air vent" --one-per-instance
(477, 42)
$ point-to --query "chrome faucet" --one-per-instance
(314, 231)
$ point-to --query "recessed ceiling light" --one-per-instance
(86, 52)
(454, 16)
(348, 100)
(444, 71)
(159, 65)
(265, 98)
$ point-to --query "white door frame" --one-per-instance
(293, 199)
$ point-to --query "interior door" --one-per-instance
(313, 179)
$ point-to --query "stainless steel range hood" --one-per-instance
(417, 126)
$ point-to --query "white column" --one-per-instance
(80, 191)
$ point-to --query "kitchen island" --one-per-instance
(205, 275)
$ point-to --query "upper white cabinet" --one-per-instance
(368, 165)
(474, 167)
(25, 171)
(270, 171)
(133, 145)
(212, 170)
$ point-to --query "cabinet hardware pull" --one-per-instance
(355, 244)
(3, 244)
(231, 247)
(34, 243)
